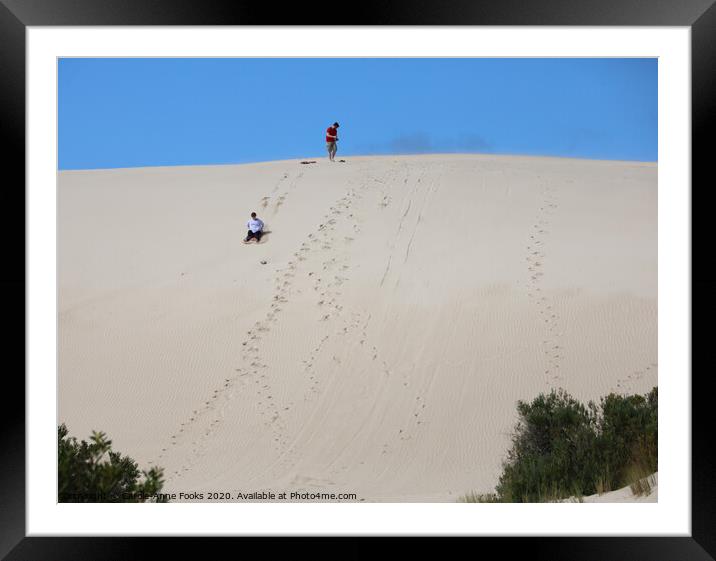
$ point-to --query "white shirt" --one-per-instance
(255, 225)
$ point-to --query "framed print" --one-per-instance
(449, 316)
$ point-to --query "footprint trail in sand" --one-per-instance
(360, 348)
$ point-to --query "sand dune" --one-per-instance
(625, 494)
(405, 305)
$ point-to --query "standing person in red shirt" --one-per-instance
(331, 139)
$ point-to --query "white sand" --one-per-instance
(625, 494)
(406, 305)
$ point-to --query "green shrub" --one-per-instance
(93, 473)
(562, 448)
(553, 450)
(628, 435)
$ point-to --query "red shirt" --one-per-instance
(332, 131)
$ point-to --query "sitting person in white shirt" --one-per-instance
(256, 227)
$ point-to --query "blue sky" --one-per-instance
(160, 112)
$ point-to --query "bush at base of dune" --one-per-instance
(563, 448)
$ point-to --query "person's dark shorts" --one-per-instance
(256, 235)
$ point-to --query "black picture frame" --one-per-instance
(16, 15)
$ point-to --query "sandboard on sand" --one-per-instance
(264, 232)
